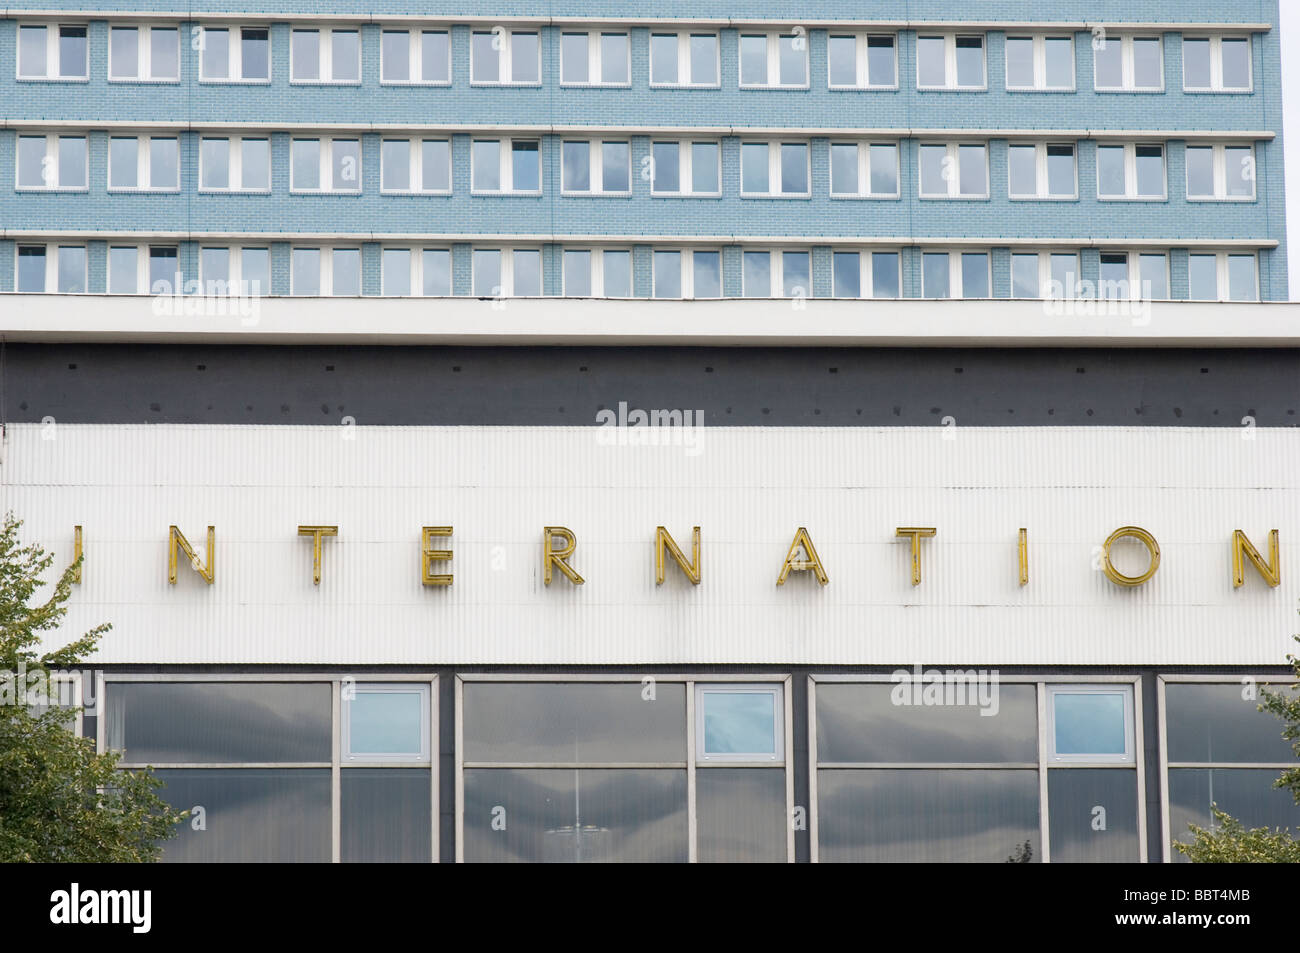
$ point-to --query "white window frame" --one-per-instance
(416, 265)
(774, 169)
(144, 53)
(415, 167)
(597, 264)
(864, 170)
(235, 164)
(1129, 757)
(326, 277)
(776, 271)
(1040, 64)
(142, 257)
(1135, 273)
(1128, 67)
(325, 56)
(415, 57)
(1045, 271)
(954, 192)
(53, 64)
(235, 50)
(684, 59)
(1223, 283)
(506, 58)
(687, 261)
(143, 167)
(956, 289)
(861, 60)
(774, 61)
(51, 161)
(326, 159)
(596, 167)
(1041, 180)
(775, 690)
(505, 157)
(507, 286)
(52, 265)
(867, 272)
(236, 279)
(347, 756)
(950, 61)
(686, 169)
(1216, 64)
(594, 54)
(1221, 173)
(1130, 173)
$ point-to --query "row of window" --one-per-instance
(944, 61)
(607, 272)
(624, 768)
(768, 169)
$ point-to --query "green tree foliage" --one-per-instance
(1229, 842)
(60, 801)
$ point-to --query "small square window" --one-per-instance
(739, 723)
(385, 722)
(1090, 723)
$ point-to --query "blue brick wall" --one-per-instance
(997, 219)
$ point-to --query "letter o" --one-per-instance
(1142, 536)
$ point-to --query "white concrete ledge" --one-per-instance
(571, 321)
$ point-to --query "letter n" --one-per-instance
(1241, 546)
(176, 540)
(665, 542)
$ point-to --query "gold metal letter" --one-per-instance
(664, 541)
(916, 533)
(811, 561)
(558, 558)
(1146, 539)
(316, 532)
(76, 553)
(1272, 571)
(429, 555)
(1024, 556)
(176, 539)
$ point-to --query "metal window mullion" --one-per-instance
(1139, 756)
(812, 770)
(336, 782)
(1044, 819)
(434, 783)
(692, 818)
(459, 808)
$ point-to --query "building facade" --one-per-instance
(685, 521)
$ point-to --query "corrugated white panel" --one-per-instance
(749, 489)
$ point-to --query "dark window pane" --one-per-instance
(1246, 794)
(1214, 723)
(213, 722)
(923, 815)
(1082, 833)
(740, 815)
(576, 816)
(876, 722)
(533, 722)
(386, 815)
(250, 815)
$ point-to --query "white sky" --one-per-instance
(1291, 125)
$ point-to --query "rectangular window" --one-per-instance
(1135, 172)
(861, 61)
(1050, 275)
(1128, 64)
(235, 54)
(385, 722)
(71, 275)
(1222, 276)
(596, 168)
(230, 271)
(325, 165)
(1217, 64)
(505, 59)
(123, 270)
(955, 275)
(52, 162)
(415, 57)
(507, 272)
(692, 273)
(738, 723)
(30, 276)
(774, 60)
(505, 165)
(774, 169)
(595, 59)
(686, 168)
(954, 170)
(143, 164)
(864, 170)
(52, 52)
(866, 274)
(1134, 276)
(950, 62)
(776, 274)
(164, 275)
(1090, 724)
(415, 166)
(1222, 173)
(616, 270)
(1042, 170)
(144, 54)
(1040, 63)
(325, 56)
(235, 165)
(684, 59)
